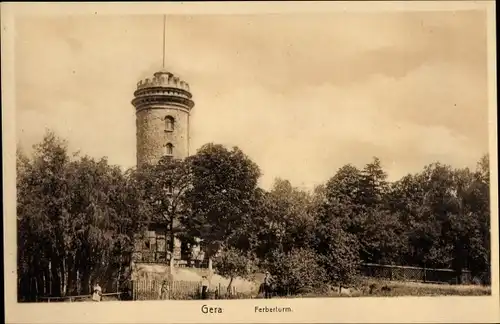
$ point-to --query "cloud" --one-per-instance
(301, 95)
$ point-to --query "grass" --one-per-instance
(369, 287)
(398, 288)
(366, 287)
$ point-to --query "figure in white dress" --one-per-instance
(97, 293)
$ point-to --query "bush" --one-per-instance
(296, 271)
(338, 254)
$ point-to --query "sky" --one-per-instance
(301, 94)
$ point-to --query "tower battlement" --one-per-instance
(164, 88)
(163, 79)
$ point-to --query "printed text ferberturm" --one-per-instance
(275, 309)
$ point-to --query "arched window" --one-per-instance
(169, 123)
(169, 149)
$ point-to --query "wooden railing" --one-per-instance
(74, 298)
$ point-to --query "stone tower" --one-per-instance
(163, 104)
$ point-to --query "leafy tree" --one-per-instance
(42, 217)
(445, 214)
(75, 220)
(379, 230)
(373, 184)
(344, 197)
(480, 206)
(382, 240)
(253, 235)
(221, 195)
(232, 263)
(338, 252)
(289, 216)
(163, 188)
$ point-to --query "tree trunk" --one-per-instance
(118, 276)
(56, 279)
(110, 276)
(63, 274)
(172, 236)
(229, 286)
(71, 287)
(85, 282)
(33, 289)
(23, 288)
(46, 282)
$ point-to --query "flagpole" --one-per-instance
(164, 28)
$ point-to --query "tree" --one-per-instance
(344, 198)
(480, 207)
(42, 219)
(379, 229)
(338, 252)
(289, 216)
(373, 184)
(221, 196)
(76, 217)
(232, 263)
(468, 224)
(445, 214)
(383, 238)
(164, 186)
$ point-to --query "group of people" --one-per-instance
(266, 288)
(164, 292)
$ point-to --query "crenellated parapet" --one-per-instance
(163, 79)
(164, 88)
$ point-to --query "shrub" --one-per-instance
(295, 271)
(338, 254)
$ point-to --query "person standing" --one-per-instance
(164, 290)
(267, 285)
(204, 287)
(97, 293)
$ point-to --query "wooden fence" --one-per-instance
(150, 289)
(70, 299)
(405, 273)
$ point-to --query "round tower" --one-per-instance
(163, 104)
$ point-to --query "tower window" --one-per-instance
(169, 149)
(169, 124)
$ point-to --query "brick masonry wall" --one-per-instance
(152, 137)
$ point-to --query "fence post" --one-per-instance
(425, 274)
